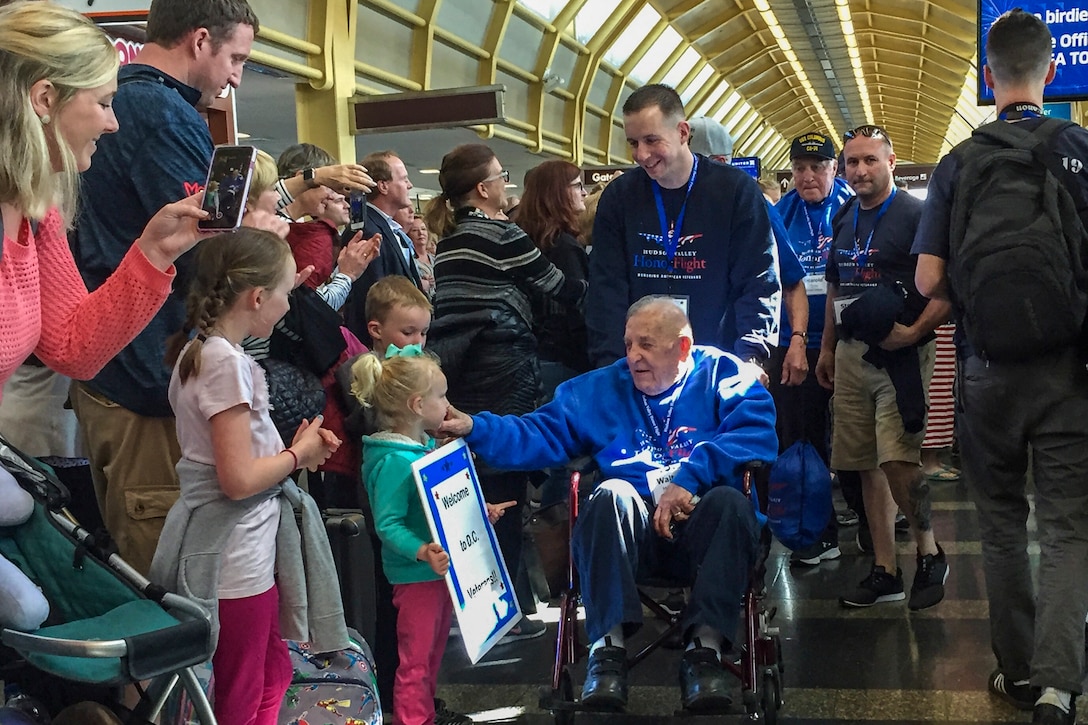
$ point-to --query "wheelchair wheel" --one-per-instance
(771, 696)
(565, 694)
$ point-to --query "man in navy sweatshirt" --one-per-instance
(683, 227)
(160, 155)
(671, 427)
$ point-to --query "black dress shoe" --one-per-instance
(1047, 714)
(606, 679)
(704, 685)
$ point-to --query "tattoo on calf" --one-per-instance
(920, 504)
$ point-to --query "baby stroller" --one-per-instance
(108, 625)
(759, 667)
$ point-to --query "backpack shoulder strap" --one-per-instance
(1040, 142)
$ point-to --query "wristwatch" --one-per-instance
(802, 335)
(309, 176)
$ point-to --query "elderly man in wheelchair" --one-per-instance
(671, 427)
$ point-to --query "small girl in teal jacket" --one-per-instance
(408, 390)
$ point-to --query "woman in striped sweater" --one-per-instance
(485, 273)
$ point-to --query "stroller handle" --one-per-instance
(24, 641)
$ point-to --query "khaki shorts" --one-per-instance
(132, 467)
(867, 427)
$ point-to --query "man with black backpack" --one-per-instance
(1002, 239)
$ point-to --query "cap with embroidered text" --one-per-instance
(812, 144)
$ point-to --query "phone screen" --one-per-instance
(357, 201)
(227, 187)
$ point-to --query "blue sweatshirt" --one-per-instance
(721, 418)
(160, 155)
(809, 229)
(725, 263)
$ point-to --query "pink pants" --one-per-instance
(251, 664)
(424, 610)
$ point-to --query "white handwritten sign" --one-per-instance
(482, 593)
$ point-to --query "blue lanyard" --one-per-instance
(825, 224)
(861, 257)
(662, 436)
(671, 235)
(1017, 111)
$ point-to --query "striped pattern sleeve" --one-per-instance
(335, 291)
(487, 261)
(941, 418)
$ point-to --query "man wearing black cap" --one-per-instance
(807, 211)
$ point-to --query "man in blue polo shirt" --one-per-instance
(194, 50)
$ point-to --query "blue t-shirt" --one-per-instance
(810, 234)
(160, 155)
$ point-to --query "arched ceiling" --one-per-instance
(913, 57)
(769, 70)
(804, 65)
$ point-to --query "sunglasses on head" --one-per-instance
(868, 131)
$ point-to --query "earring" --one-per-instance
(45, 120)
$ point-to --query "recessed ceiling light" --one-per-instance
(428, 171)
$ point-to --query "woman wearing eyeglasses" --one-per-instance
(485, 272)
(554, 198)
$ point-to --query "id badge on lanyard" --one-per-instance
(670, 234)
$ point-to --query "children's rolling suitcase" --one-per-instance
(332, 688)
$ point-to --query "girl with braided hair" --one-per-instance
(219, 542)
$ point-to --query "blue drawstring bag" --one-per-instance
(799, 496)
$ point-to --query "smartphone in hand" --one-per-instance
(227, 187)
(357, 203)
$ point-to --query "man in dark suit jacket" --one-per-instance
(389, 195)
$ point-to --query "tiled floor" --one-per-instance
(882, 664)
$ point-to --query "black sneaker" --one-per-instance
(901, 523)
(928, 587)
(1047, 714)
(445, 716)
(813, 555)
(1021, 696)
(879, 586)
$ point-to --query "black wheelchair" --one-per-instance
(759, 667)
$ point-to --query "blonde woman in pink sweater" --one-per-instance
(58, 74)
